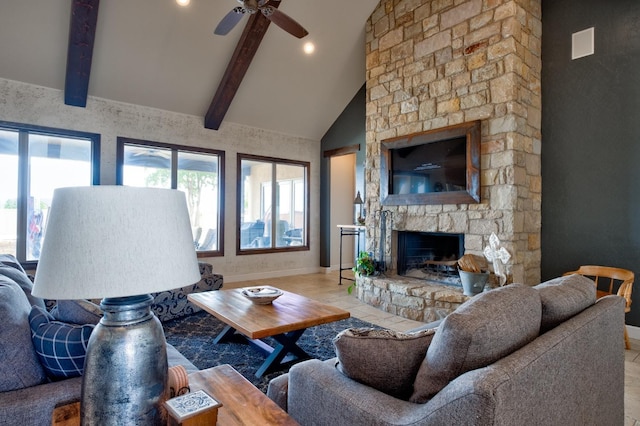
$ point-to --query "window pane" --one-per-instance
(255, 202)
(195, 172)
(146, 167)
(198, 178)
(291, 205)
(8, 191)
(54, 162)
(272, 204)
(299, 204)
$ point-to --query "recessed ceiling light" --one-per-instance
(309, 48)
(183, 2)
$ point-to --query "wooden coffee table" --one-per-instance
(242, 403)
(284, 320)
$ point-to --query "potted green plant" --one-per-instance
(365, 266)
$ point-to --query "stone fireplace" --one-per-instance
(435, 63)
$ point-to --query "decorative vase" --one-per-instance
(125, 371)
(473, 282)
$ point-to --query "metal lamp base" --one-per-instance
(125, 370)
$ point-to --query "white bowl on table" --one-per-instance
(261, 295)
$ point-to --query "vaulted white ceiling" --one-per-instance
(158, 54)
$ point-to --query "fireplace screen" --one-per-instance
(430, 255)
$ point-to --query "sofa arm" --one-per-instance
(278, 390)
(318, 394)
(34, 405)
(175, 358)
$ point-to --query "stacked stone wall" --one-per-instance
(434, 63)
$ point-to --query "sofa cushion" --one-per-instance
(61, 347)
(19, 365)
(10, 260)
(382, 359)
(20, 277)
(478, 333)
(564, 297)
(77, 312)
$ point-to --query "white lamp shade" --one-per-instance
(115, 241)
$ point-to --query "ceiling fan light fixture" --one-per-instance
(309, 48)
(251, 7)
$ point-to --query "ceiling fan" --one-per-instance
(250, 7)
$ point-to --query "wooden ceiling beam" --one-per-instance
(243, 55)
(82, 32)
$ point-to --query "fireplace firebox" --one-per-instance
(430, 256)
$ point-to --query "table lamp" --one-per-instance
(119, 244)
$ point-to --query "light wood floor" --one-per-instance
(325, 288)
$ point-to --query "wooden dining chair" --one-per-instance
(610, 280)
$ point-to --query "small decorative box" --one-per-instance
(195, 408)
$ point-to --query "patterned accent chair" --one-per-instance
(171, 304)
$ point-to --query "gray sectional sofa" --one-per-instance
(28, 395)
(517, 355)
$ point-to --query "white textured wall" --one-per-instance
(35, 105)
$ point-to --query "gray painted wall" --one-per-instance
(591, 139)
(348, 129)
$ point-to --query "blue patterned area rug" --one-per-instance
(193, 336)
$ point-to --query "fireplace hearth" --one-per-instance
(425, 285)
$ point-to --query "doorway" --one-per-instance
(342, 192)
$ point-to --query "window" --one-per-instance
(272, 201)
(199, 173)
(33, 162)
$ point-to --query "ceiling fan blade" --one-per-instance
(230, 20)
(284, 21)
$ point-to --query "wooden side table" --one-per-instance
(242, 403)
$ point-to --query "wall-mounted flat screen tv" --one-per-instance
(436, 167)
(432, 167)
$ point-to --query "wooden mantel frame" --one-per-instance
(470, 130)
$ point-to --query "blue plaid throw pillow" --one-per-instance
(61, 347)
